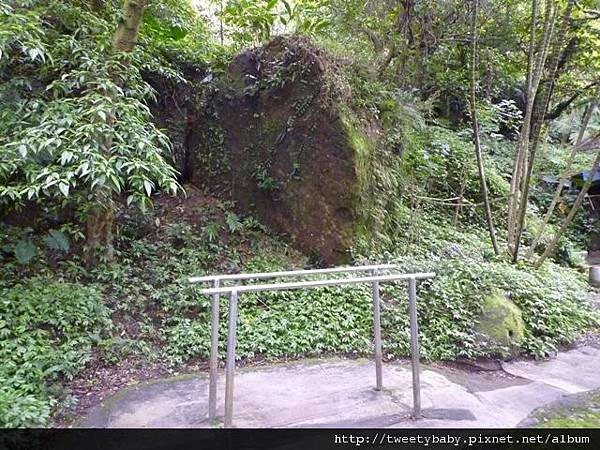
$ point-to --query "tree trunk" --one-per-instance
(525, 127)
(552, 245)
(99, 235)
(100, 218)
(128, 29)
(535, 65)
(404, 29)
(565, 175)
(461, 196)
(476, 136)
(560, 37)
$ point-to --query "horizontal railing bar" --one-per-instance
(315, 283)
(289, 273)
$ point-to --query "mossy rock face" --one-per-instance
(500, 325)
(581, 410)
(297, 154)
(176, 106)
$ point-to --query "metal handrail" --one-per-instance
(216, 282)
(290, 273)
(313, 283)
(374, 280)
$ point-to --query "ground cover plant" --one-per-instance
(102, 219)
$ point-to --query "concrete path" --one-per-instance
(339, 393)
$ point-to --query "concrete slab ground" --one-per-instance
(339, 393)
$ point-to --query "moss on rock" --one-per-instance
(300, 156)
(581, 410)
(500, 324)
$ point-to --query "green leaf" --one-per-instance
(25, 250)
(64, 188)
(57, 240)
(66, 157)
(233, 222)
(148, 187)
(211, 231)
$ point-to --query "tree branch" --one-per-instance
(562, 106)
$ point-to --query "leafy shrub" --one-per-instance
(23, 410)
(290, 324)
(554, 299)
(339, 320)
(47, 329)
(54, 135)
(26, 247)
(152, 279)
(335, 319)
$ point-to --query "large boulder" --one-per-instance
(500, 324)
(279, 137)
(176, 107)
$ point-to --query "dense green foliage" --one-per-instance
(76, 130)
(47, 330)
(73, 119)
(251, 21)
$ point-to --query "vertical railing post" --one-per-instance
(377, 334)
(414, 347)
(214, 354)
(230, 365)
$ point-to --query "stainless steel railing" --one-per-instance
(234, 292)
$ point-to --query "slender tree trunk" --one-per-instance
(535, 66)
(475, 124)
(404, 29)
(560, 37)
(552, 245)
(459, 205)
(99, 233)
(221, 22)
(100, 218)
(524, 133)
(415, 207)
(565, 175)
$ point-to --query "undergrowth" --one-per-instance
(50, 325)
(47, 331)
